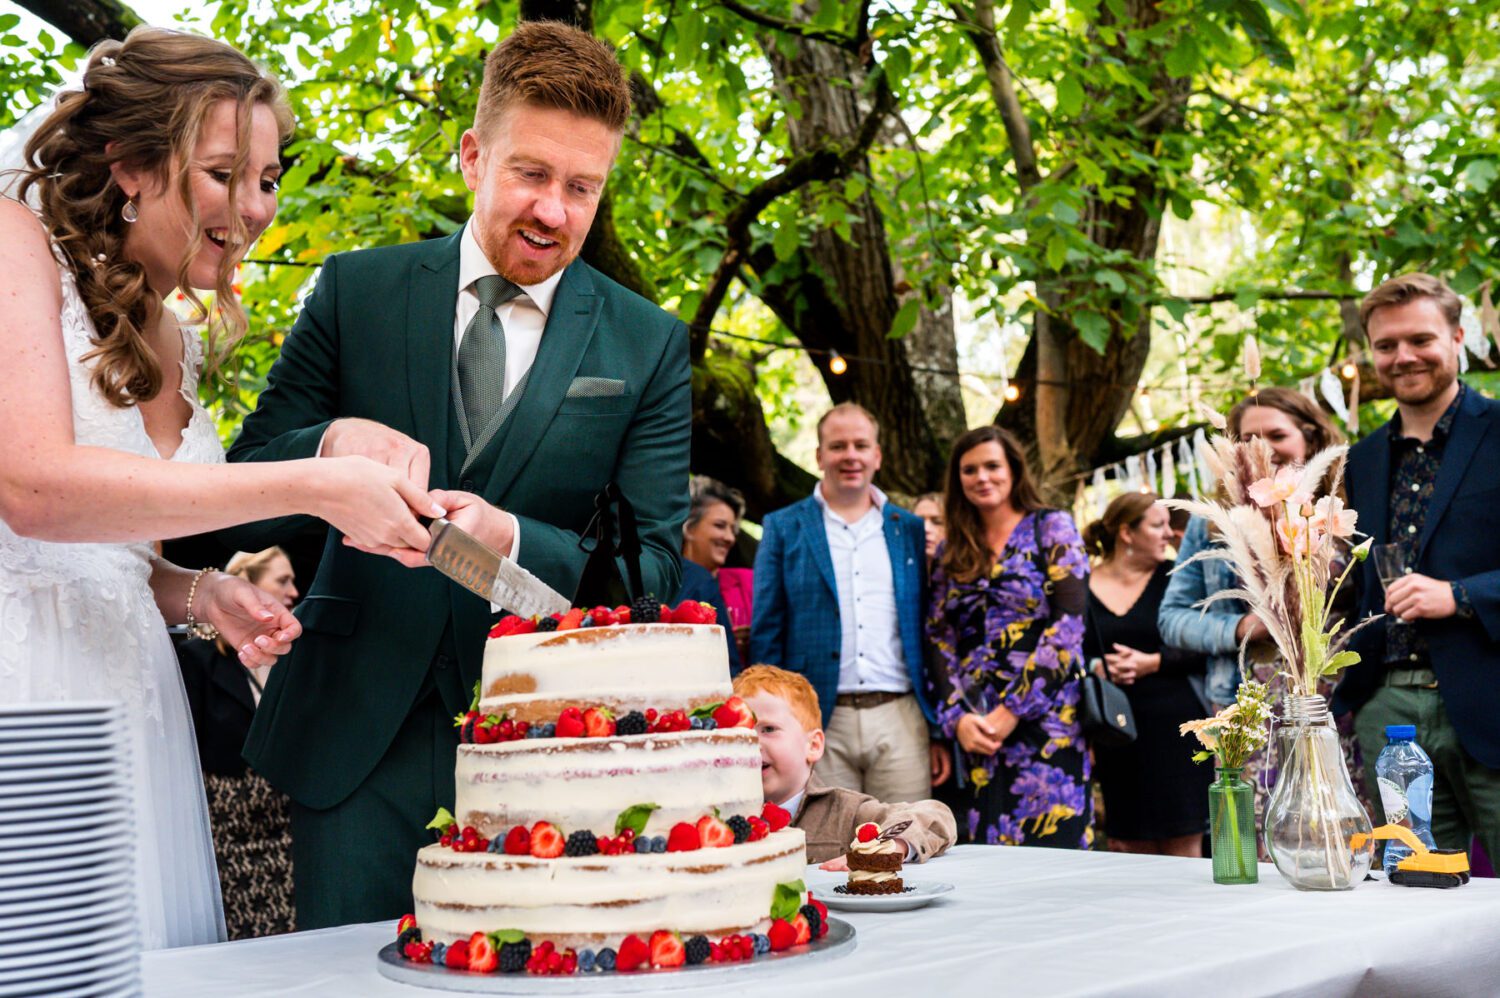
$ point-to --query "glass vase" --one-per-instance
(1313, 813)
(1231, 822)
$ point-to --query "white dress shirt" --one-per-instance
(871, 658)
(524, 317)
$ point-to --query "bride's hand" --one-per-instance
(251, 620)
(374, 506)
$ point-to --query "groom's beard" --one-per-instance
(521, 262)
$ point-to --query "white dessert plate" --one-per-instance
(101, 757)
(75, 956)
(57, 733)
(104, 782)
(101, 797)
(116, 924)
(68, 921)
(64, 977)
(14, 813)
(73, 842)
(67, 871)
(36, 893)
(56, 772)
(916, 895)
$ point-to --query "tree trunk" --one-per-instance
(844, 298)
(1079, 395)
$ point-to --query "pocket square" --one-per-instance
(590, 388)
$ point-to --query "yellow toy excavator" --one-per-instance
(1424, 867)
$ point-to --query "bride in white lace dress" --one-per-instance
(158, 173)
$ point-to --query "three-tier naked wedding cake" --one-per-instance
(609, 813)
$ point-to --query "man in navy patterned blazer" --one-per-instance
(840, 587)
(1425, 483)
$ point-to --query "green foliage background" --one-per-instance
(1332, 143)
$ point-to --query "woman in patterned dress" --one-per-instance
(1009, 587)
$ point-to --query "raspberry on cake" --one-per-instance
(874, 862)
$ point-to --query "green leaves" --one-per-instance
(1069, 95)
(443, 820)
(906, 318)
(635, 818)
(506, 936)
(787, 900)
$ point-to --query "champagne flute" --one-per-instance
(1390, 565)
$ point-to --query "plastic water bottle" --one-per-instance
(1405, 776)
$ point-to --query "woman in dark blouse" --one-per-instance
(1006, 628)
(1155, 796)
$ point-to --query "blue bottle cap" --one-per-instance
(1401, 732)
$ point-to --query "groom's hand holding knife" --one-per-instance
(367, 438)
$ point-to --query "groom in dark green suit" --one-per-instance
(513, 380)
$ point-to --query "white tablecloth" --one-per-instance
(1021, 922)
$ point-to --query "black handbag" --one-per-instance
(1103, 708)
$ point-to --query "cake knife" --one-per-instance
(481, 569)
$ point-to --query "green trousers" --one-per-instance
(1465, 793)
(353, 862)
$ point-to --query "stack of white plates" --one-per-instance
(67, 836)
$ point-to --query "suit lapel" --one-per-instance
(816, 536)
(570, 327)
(1468, 429)
(431, 305)
(1374, 486)
(893, 545)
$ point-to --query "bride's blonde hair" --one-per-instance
(143, 103)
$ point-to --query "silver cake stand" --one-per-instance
(839, 942)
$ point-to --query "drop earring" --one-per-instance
(129, 212)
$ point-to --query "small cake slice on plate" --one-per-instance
(875, 859)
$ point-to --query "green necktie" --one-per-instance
(481, 355)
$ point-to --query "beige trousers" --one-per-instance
(881, 751)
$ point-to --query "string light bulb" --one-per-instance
(836, 363)
(1348, 370)
(1012, 392)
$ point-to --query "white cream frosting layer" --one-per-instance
(876, 846)
(633, 665)
(873, 876)
(579, 783)
(712, 891)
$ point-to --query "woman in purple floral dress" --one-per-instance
(1009, 588)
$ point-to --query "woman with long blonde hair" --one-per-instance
(156, 174)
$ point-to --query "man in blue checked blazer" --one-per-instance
(840, 590)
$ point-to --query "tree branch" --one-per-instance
(849, 43)
(825, 163)
(85, 21)
(1003, 91)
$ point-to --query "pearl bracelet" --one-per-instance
(199, 629)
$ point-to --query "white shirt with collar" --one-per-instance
(524, 317)
(871, 658)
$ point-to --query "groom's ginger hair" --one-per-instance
(551, 65)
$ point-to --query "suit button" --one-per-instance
(467, 485)
(834, 656)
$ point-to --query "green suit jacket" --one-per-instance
(375, 340)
